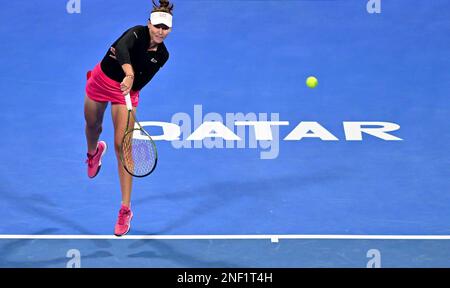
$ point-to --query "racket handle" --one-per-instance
(128, 102)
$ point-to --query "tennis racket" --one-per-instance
(137, 151)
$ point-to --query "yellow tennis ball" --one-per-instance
(311, 82)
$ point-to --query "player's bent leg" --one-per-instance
(93, 113)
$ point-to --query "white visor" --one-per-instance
(161, 18)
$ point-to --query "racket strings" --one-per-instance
(139, 155)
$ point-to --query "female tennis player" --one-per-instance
(129, 64)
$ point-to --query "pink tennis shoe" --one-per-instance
(124, 221)
(95, 161)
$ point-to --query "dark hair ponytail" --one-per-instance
(164, 6)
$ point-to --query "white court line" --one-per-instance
(273, 238)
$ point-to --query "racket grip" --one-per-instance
(128, 102)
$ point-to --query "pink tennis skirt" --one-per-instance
(101, 88)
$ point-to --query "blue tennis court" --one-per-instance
(352, 173)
